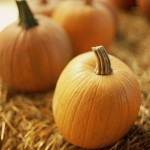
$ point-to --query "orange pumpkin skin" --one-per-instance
(32, 59)
(112, 9)
(144, 6)
(86, 24)
(45, 7)
(124, 4)
(93, 111)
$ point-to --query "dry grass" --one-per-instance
(26, 121)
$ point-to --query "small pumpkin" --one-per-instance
(144, 6)
(96, 102)
(45, 7)
(33, 52)
(87, 23)
(124, 4)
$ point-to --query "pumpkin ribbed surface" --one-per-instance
(94, 111)
(33, 52)
(87, 23)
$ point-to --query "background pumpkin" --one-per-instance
(112, 9)
(95, 106)
(144, 6)
(45, 7)
(32, 53)
(124, 4)
(87, 23)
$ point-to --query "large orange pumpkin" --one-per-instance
(33, 52)
(87, 23)
(96, 102)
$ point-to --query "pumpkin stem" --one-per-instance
(43, 1)
(103, 66)
(88, 2)
(26, 17)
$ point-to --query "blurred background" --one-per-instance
(8, 12)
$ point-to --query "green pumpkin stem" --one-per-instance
(103, 65)
(26, 18)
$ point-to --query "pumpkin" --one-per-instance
(96, 102)
(87, 23)
(124, 4)
(144, 6)
(45, 7)
(112, 9)
(33, 52)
